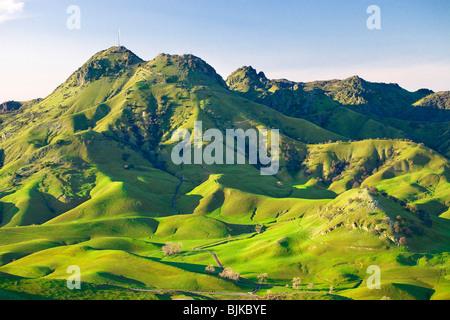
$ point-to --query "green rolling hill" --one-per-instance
(86, 179)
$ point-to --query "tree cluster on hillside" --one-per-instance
(296, 283)
(259, 228)
(210, 269)
(262, 278)
(230, 274)
(171, 249)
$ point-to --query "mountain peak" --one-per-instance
(118, 51)
(187, 64)
(246, 75)
(249, 71)
(354, 80)
(105, 63)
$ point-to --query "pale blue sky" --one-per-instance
(298, 40)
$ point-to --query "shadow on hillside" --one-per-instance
(313, 193)
(7, 212)
(197, 268)
(120, 279)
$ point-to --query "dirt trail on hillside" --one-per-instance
(219, 263)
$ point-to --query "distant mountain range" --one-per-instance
(353, 107)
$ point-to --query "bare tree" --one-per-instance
(229, 273)
(210, 269)
(262, 278)
(296, 283)
(171, 249)
(310, 286)
(259, 228)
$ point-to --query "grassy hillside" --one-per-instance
(439, 100)
(86, 179)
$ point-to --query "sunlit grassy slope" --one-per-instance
(86, 179)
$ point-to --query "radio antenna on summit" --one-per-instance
(118, 37)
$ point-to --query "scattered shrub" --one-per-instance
(356, 185)
(259, 228)
(373, 191)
